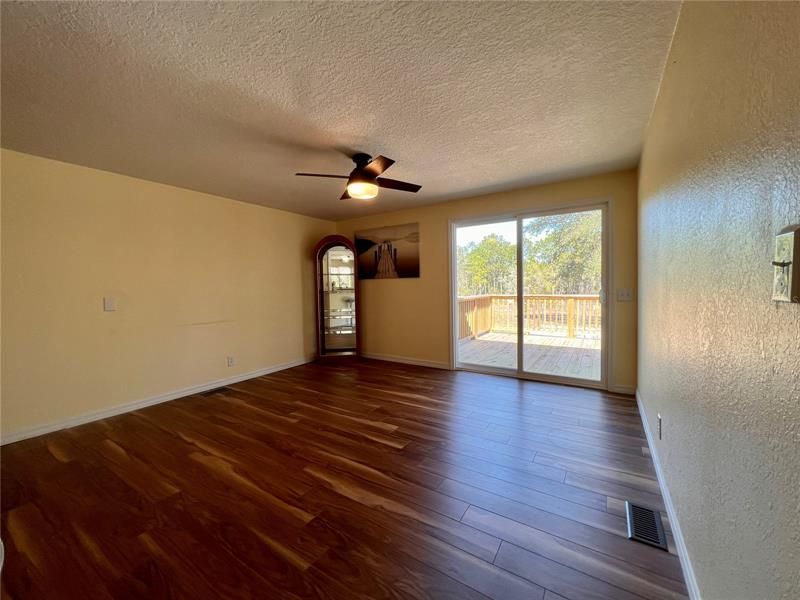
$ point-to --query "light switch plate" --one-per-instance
(109, 304)
(624, 294)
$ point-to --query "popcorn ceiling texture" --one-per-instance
(720, 176)
(232, 98)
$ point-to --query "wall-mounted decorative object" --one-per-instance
(388, 252)
(786, 278)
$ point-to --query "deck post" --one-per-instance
(571, 317)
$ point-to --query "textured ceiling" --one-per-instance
(233, 98)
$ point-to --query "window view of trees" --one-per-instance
(561, 255)
(487, 267)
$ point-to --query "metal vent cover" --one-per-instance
(644, 525)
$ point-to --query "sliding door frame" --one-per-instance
(607, 308)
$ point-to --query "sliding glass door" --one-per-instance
(486, 302)
(529, 296)
(562, 278)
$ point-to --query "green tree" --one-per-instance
(465, 279)
(562, 254)
(487, 267)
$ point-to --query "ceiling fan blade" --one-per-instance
(322, 175)
(393, 184)
(378, 165)
(345, 196)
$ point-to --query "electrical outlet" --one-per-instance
(230, 361)
(659, 425)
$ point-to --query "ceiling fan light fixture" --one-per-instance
(366, 179)
(362, 190)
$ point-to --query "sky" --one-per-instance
(475, 233)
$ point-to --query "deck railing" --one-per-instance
(575, 315)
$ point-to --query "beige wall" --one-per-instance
(196, 277)
(720, 176)
(409, 318)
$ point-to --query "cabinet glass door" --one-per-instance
(337, 289)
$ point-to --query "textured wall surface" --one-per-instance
(233, 98)
(720, 176)
(196, 277)
(410, 318)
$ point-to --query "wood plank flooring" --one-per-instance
(342, 479)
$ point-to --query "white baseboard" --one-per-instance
(407, 361)
(683, 553)
(137, 404)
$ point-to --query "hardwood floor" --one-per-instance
(344, 479)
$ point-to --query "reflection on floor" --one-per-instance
(546, 354)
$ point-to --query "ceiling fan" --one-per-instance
(364, 181)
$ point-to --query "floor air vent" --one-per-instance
(644, 525)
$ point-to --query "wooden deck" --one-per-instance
(577, 358)
(341, 480)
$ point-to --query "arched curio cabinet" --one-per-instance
(336, 297)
